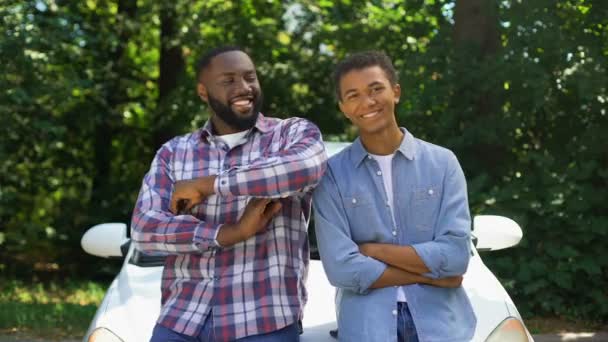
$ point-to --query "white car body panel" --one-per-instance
(132, 303)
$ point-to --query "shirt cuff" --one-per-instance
(369, 274)
(221, 186)
(205, 237)
(432, 256)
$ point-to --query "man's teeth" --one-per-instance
(242, 102)
(369, 115)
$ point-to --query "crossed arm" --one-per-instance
(440, 262)
(404, 267)
(158, 228)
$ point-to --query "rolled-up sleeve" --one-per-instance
(448, 253)
(154, 229)
(345, 267)
(296, 168)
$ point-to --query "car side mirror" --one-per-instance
(105, 240)
(495, 232)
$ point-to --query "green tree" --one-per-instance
(518, 89)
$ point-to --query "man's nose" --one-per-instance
(243, 86)
(369, 100)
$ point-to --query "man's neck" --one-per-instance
(222, 128)
(384, 142)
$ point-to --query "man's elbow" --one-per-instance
(340, 277)
(456, 264)
(346, 284)
(316, 172)
(142, 246)
(463, 264)
(142, 238)
(141, 241)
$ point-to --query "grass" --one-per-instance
(54, 310)
(550, 325)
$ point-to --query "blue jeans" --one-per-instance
(163, 334)
(406, 330)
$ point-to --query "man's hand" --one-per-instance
(255, 218)
(191, 192)
(257, 215)
(451, 282)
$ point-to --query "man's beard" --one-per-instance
(233, 119)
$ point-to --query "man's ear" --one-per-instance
(201, 90)
(341, 105)
(397, 92)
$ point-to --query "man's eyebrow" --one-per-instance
(353, 90)
(232, 73)
(350, 91)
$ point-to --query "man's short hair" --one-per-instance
(205, 60)
(362, 60)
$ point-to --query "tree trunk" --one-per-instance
(106, 127)
(477, 40)
(171, 66)
(476, 26)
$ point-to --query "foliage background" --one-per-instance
(518, 89)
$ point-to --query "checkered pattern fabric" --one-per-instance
(255, 286)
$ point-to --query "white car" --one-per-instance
(131, 306)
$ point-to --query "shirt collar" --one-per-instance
(407, 148)
(262, 124)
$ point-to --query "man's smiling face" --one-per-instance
(230, 86)
(368, 99)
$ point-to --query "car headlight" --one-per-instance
(511, 330)
(103, 335)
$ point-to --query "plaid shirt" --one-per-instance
(255, 286)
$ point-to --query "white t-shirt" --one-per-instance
(385, 163)
(233, 139)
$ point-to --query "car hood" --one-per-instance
(132, 303)
(489, 299)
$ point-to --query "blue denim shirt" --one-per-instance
(431, 215)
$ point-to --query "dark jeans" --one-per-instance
(162, 334)
(406, 330)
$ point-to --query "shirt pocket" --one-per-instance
(425, 207)
(362, 218)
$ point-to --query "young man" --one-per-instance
(229, 205)
(392, 220)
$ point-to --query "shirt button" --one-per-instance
(394, 312)
(431, 191)
(394, 233)
(354, 200)
(379, 173)
(223, 182)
